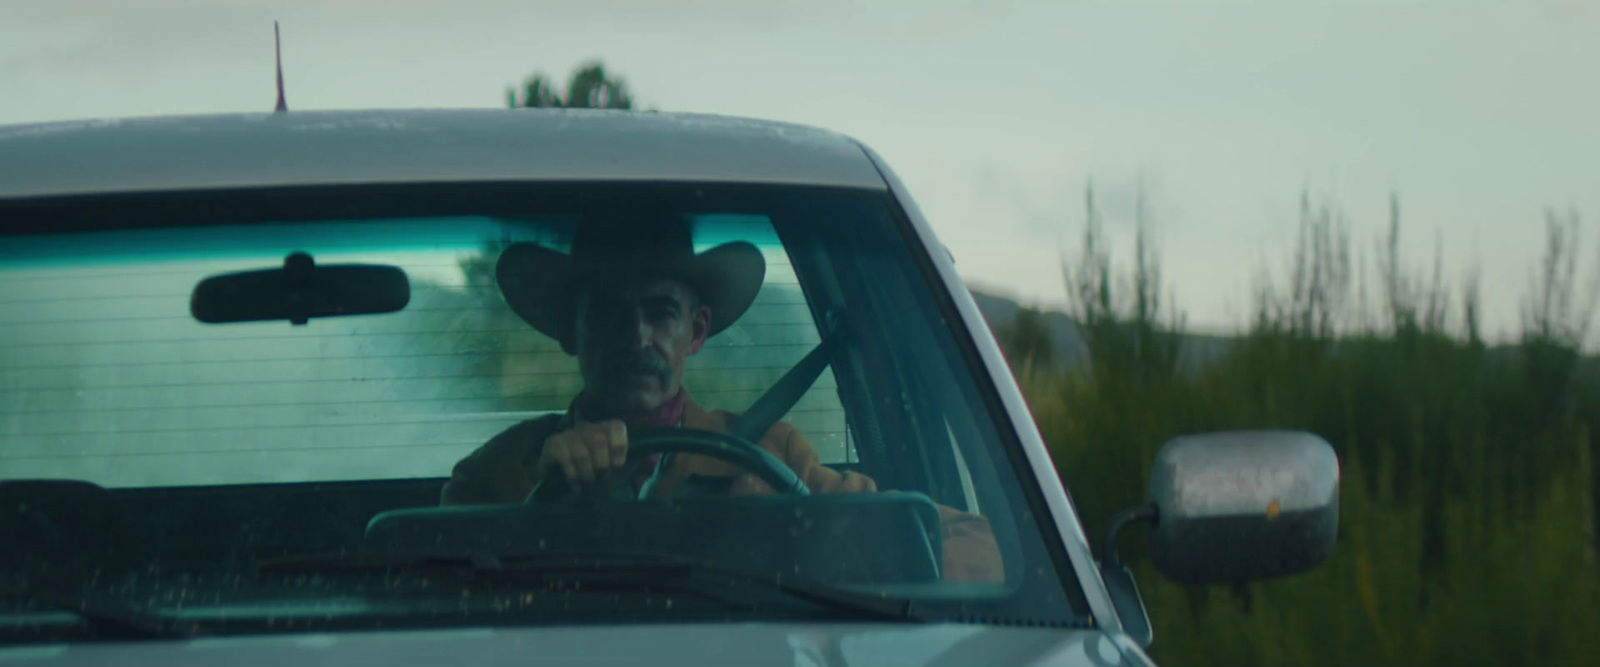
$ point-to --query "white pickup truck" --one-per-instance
(243, 356)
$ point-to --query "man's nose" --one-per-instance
(641, 329)
(629, 328)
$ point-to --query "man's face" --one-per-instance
(633, 337)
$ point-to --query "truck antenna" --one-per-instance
(277, 44)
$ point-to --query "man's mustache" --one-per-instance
(642, 362)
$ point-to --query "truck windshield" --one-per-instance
(802, 409)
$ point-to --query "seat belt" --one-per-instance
(777, 401)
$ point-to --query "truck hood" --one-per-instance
(812, 645)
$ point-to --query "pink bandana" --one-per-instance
(667, 415)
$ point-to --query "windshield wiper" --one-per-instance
(112, 617)
(620, 571)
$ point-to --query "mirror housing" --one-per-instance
(300, 291)
(1243, 506)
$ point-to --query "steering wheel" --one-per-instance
(723, 446)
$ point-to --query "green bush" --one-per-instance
(1452, 549)
(1467, 526)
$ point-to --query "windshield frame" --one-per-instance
(1022, 439)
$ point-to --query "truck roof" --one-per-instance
(423, 146)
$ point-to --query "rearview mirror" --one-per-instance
(1242, 506)
(299, 291)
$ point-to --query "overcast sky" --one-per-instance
(995, 114)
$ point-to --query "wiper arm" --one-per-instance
(645, 570)
(358, 562)
(115, 618)
(840, 599)
(678, 571)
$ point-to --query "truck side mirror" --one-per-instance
(1243, 506)
(1230, 507)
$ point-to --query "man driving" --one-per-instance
(633, 302)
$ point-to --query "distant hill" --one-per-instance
(1197, 350)
(1000, 312)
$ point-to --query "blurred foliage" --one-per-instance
(1467, 527)
(1027, 343)
(590, 87)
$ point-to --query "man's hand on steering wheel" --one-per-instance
(591, 442)
(585, 455)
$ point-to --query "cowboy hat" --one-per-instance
(541, 284)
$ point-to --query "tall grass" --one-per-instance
(1467, 527)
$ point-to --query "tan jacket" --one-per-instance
(503, 471)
